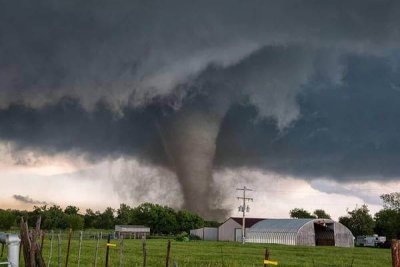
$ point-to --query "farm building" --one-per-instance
(206, 233)
(231, 229)
(132, 231)
(306, 232)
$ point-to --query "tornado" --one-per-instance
(189, 138)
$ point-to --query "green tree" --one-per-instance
(388, 220)
(359, 221)
(71, 210)
(124, 214)
(90, 218)
(211, 224)
(7, 219)
(54, 218)
(74, 221)
(391, 201)
(106, 219)
(387, 223)
(321, 214)
(35, 214)
(188, 220)
(161, 220)
(300, 214)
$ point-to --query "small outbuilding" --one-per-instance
(206, 233)
(231, 229)
(132, 231)
(305, 232)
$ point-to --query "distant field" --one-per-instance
(221, 254)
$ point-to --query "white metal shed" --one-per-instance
(306, 232)
(132, 231)
(206, 233)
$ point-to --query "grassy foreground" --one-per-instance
(221, 254)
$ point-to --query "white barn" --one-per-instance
(206, 233)
(306, 232)
(132, 231)
(231, 229)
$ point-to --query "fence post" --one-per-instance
(121, 251)
(13, 244)
(108, 248)
(144, 253)
(395, 253)
(68, 247)
(80, 248)
(266, 256)
(51, 248)
(42, 233)
(168, 253)
(97, 250)
(59, 249)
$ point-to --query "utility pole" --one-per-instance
(244, 209)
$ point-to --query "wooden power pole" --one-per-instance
(244, 208)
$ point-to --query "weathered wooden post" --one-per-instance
(59, 249)
(168, 253)
(395, 253)
(267, 260)
(31, 247)
(144, 253)
(51, 248)
(121, 251)
(266, 256)
(42, 235)
(68, 247)
(97, 251)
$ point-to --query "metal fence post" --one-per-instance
(13, 242)
(108, 249)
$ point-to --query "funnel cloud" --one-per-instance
(302, 88)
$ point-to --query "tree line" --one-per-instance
(160, 219)
(165, 220)
(385, 222)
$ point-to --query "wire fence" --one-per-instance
(87, 248)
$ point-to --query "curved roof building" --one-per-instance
(306, 232)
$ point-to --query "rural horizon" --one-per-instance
(181, 103)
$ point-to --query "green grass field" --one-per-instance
(221, 254)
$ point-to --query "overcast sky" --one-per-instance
(179, 103)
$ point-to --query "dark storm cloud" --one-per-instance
(132, 51)
(28, 200)
(66, 126)
(307, 88)
(348, 131)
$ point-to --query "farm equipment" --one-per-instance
(370, 241)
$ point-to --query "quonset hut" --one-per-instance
(303, 232)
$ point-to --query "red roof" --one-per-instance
(249, 221)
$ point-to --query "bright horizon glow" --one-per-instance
(64, 181)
